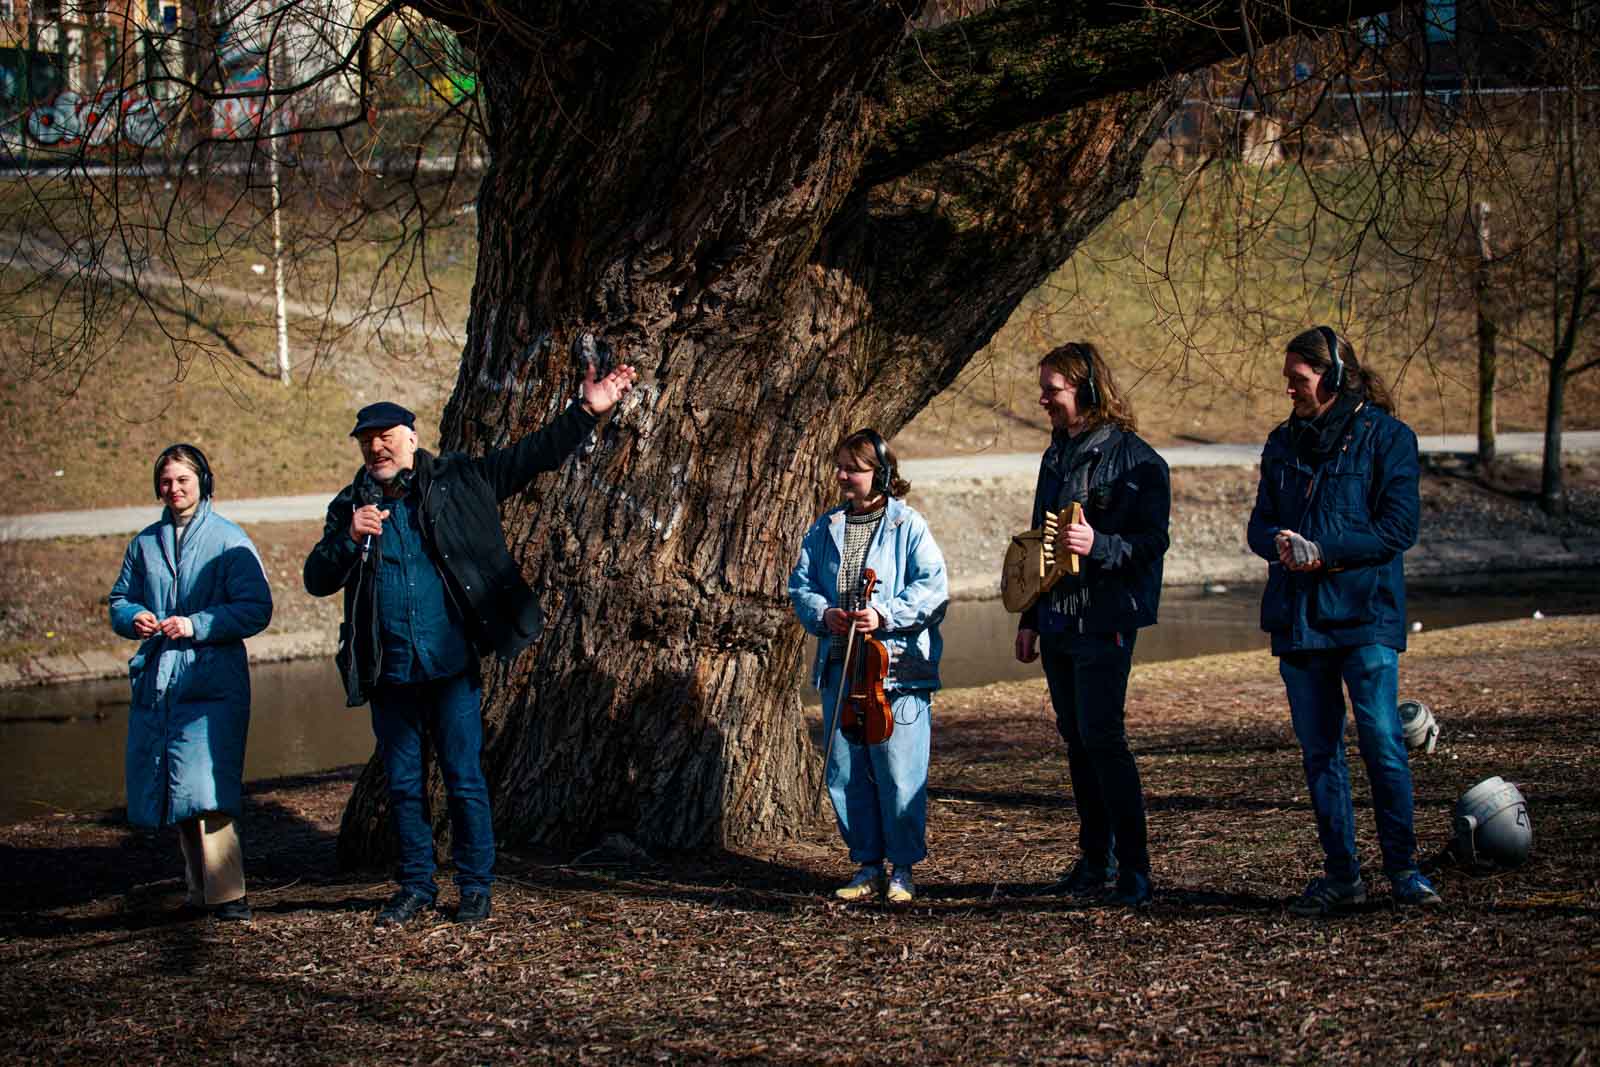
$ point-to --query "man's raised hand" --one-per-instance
(601, 396)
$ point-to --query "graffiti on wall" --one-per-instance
(112, 117)
(244, 67)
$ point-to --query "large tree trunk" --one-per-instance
(696, 195)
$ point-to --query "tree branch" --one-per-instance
(979, 77)
(1591, 365)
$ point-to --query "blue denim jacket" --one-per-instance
(1361, 507)
(912, 594)
(423, 637)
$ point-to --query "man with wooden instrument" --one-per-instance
(1084, 626)
(1336, 509)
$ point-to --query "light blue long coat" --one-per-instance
(191, 697)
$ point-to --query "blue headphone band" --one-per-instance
(1337, 364)
(884, 473)
(207, 482)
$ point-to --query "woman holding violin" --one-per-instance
(870, 583)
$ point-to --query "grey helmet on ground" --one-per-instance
(1492, 825)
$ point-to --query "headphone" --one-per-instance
(1333, 352)
(207, 482)
(884, 474)
(1093, 394)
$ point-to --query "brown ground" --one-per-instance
(604, 959)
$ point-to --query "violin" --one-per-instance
(865, 717)
(862, 712)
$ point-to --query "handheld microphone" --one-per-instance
(370, 492)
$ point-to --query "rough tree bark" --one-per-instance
(795, 224)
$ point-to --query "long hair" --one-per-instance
(1074, 361)
(860, 447)
(1359, 381)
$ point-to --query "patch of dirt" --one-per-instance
(743, 956)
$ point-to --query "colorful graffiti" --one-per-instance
(111, 117)
(244, 64)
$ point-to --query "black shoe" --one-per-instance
(1325, 896)
(234, 911)
(474, 908)
(188, 911)
(1132, 891)
(1087, 878)
(402, 908)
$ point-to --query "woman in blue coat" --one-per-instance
(192, 588)
(879, 792)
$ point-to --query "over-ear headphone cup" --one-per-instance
(1335, 364)
(882, 474)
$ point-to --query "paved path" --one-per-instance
(312, 506)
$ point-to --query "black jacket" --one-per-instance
(459, 499)
(1128, 500)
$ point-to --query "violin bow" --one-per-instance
(838, 706)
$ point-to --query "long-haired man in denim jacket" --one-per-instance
(1336, 509)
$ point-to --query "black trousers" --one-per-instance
(1088, 679)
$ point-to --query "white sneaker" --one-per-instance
(901, 889)
(868, 882)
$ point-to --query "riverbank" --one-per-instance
(53, 625)
(612, 957)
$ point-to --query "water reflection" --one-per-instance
(65, 744)
(979, 635)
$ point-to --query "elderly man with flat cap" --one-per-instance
(416, 545)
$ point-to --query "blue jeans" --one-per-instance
(880, 792)
(1316, 703)
(449, 709)
(1088, 679)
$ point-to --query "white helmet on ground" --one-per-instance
(1417, 723)
(1492, 825)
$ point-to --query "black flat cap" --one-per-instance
(381, 416)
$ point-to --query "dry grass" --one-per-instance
(1198, 368)
(53, 594)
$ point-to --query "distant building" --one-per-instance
(82, 73)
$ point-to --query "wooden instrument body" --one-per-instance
(1033, 565)
(862, 711)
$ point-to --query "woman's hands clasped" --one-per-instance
(838, 621)
(145, 624)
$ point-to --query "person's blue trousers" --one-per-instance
(880, 792)
(1315, 682)
(449, 710)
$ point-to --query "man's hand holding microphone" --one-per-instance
(366, 522)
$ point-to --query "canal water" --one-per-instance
(64, 744)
